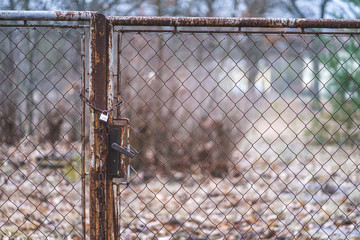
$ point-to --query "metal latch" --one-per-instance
(123, 150)
(119, 151)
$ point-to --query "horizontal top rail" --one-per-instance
(235, 22)
(47, 15)
(182, 21)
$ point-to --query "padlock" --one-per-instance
(104, 116)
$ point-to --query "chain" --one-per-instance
(92, 105)
(103, 134)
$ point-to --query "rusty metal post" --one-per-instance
(110, 101)
(101, 224)
(83, 132)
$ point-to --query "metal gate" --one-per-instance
(244, 128)
(42, 118)
(228, 128)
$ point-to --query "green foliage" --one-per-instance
(72, 169)
(344, 67)
(343, 89)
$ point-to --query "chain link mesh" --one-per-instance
(238, 135)
(241, 135)
(40, 133)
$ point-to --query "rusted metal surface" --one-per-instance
(118, 73)
(117, 212)
(182, 21)
(60, 162)
(122, 162)
(116, 190)
(92, 167)
(98, 96)
(75, 26)
(217, 57)
(104, 205)
(109, 198)
(235, 22)
(122, 173)
(83, 132)
(249, 31)
(47, 15)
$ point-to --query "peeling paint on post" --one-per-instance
(98, 138)
(110, 99)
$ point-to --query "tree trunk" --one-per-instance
(316, 86)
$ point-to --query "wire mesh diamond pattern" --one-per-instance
(241, 135)
(40, 133)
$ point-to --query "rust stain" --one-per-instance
(74, 15)
(235, 22)
(181, 21)
(97, 58)
(122, 165)
(99, 188)
(109, 210)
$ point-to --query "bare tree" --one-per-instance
(251, 46)
(310, 9)
(25, 5)
(10, 118)
(349, 9)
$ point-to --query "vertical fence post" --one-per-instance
(110, 101)
(100, 193)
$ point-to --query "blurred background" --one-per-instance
(199, 8)
(251, 135)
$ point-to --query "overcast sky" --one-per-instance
(223, 8)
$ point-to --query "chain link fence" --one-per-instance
(41, 194)
(241, 135)
(245, 134)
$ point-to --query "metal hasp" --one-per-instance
(122, 150)
(116, 164)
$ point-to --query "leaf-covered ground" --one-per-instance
(40, 198)
(281, 185)
(261, 198)
(258, 200)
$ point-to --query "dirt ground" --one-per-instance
(281, 186)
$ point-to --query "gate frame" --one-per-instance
(101, 61)
(100, 94)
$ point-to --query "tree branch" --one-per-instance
(295, 9)
(323, 8)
